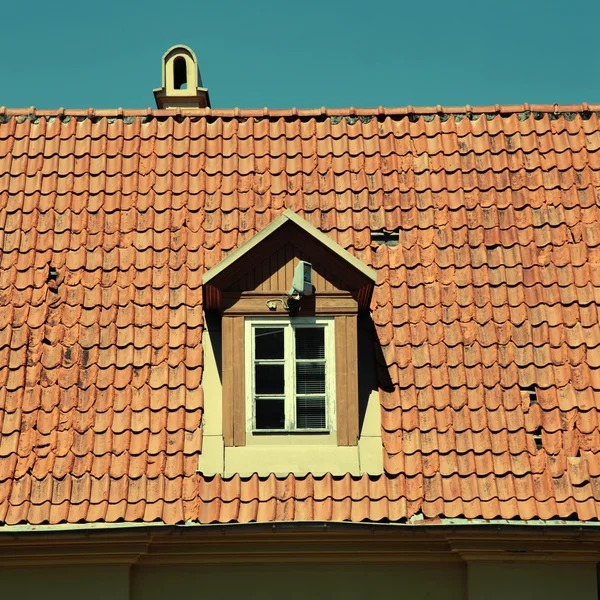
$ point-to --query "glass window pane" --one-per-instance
(269, 342)
(270, 413)
(310, 378)
(310, 413)
(269, 379)
(310, 342)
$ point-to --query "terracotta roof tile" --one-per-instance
(490, 290)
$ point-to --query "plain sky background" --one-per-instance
(307, 53)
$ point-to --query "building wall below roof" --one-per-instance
(298, 582)
(448, 581)
(66, 582)
(501, 580)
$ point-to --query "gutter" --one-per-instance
(306, 542)
(287, 526)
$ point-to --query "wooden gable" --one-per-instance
(275, 272)
(266, 268)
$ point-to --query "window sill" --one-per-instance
(300, 438)
(281, 458)
(284, 432)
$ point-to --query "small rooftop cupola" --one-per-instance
(181, 83)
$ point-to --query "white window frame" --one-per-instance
(289, 372)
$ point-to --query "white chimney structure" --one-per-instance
(181, 82)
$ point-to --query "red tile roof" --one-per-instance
(492, 288)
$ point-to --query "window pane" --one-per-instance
(269, 342)
(270, 413)
(269, 379)
(310, 342)
(310, 413)
(310, 378)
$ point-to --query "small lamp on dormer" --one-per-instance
(302, 281)
(301, 286)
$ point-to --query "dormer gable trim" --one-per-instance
(214, 280)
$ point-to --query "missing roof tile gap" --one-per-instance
(52, 274)
(52, 279)
(531, 390)
(387, 237)
(537, 438)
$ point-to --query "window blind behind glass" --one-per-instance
(310, 343)
(310, 378)
(310, 412)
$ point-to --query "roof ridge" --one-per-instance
(309, 112)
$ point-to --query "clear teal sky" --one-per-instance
(307, 53)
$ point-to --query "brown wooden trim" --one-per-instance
(346, 362)
(229, 276)
(233, 361)
(228, 379)
(239, 368)
(341, 380)
(255, 303)
(212, 297)
(346, 367)
(268, 269)
(275, 272)
(290, 233)
(343, 270)
(342, 273)
(364, 296)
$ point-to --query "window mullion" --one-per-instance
(290, 379)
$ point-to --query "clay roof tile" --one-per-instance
(486, 309)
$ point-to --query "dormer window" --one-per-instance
(287, 337)
(290, 375)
